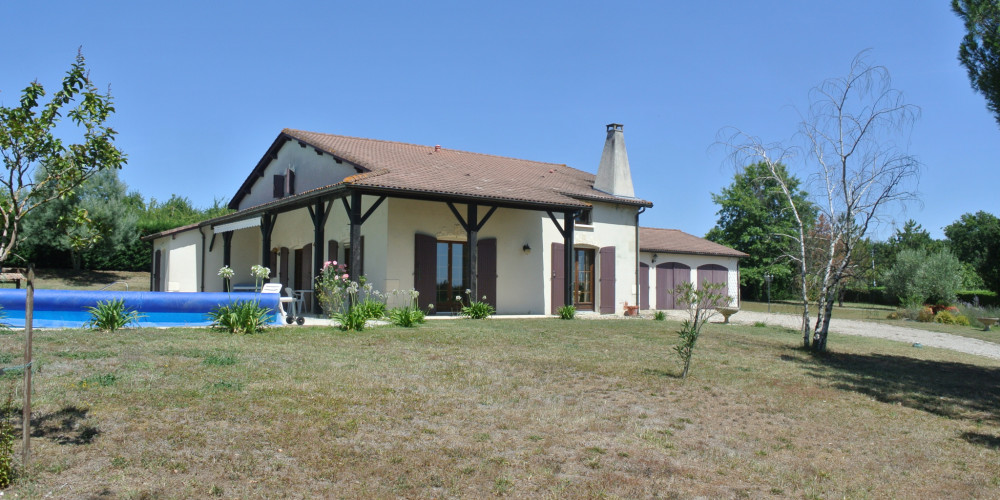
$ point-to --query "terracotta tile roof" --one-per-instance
(423, 169)
(675, 241)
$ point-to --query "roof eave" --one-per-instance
(740, 255)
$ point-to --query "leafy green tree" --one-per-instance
(754, 218)
(914, 237)
(91, 223)
(919, 277)
(28, 142)
(975, 239)
(979, 51)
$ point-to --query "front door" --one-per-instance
(451, 267)
(583, 279)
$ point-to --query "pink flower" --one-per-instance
(328, 264)
(344, 276)
(333, 263)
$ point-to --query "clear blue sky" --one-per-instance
(202, 88)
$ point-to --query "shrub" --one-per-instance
(371, 308)
(245, 316)
(111, 315)
(917, 277)
(354, 319)
(701, 305)
(476, 309)
(7, 437)
(406, 316)
(659, 316)
(567, 312)
(926, 315)
(951, 318)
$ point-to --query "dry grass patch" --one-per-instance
(68, 279)
(502, 407)
(878, 314)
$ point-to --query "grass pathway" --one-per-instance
(871, 329)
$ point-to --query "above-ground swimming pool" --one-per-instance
(68, 308)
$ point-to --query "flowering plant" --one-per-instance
(242, 316)
(476, 309)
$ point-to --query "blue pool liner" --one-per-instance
(68, 308)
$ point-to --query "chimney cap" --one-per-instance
(615, 126)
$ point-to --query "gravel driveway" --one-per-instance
(869, 329)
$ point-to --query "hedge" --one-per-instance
(874, 295)
(985, 297)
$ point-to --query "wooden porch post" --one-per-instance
(355, 217)
(319, 215)
(227, 255)
(472, 251)
(266, 227)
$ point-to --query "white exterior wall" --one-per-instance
(213, 261)
(180, 261)
(693, 261)
(523, 279)
(311, 171)
(613, 225)
(521, 282)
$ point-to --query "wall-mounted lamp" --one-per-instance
(526, 248)
(654, 258)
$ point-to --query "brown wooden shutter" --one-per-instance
(279, 186)
(283, 267)
(608, 280)
(332, 249)
(306, 269)
(558, 277)
(157, 263)
(643, 286)
(487, 270)
(425, 269)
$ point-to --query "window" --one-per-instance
(451, 267)
(583, 279)
(279, 186)
(585, 217)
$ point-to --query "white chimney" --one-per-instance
(613, 174)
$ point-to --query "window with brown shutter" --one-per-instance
(279, 186)
(289, 182)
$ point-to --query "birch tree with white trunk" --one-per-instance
(855, 158)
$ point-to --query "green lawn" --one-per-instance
(525, 408)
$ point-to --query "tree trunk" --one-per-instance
(76, 259)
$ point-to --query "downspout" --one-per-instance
(638, 297)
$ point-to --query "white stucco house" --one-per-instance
(538, 235)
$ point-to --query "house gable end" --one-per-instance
(301, 167)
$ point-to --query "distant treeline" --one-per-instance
(99, 227)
